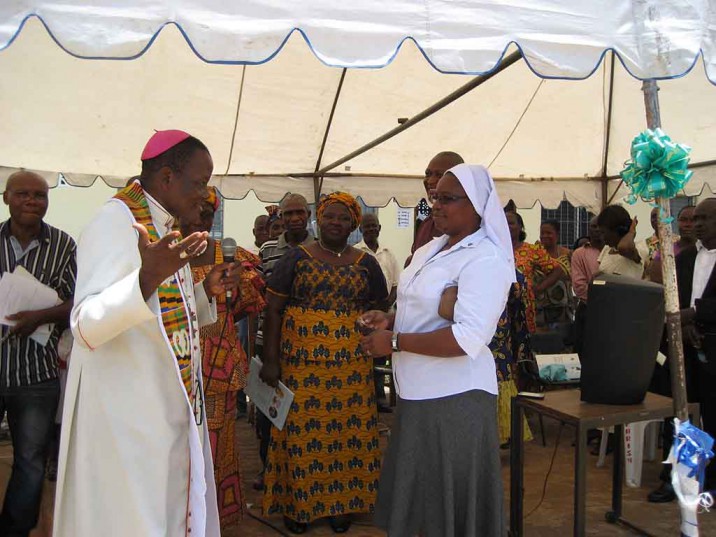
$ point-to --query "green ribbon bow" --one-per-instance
(658, 167)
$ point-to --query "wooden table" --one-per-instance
(566, 407)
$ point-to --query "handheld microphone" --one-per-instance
(228, 251)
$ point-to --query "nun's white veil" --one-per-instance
(480, 189)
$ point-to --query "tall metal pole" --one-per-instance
(668, 270)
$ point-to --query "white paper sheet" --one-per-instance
(274, 403)
(21, 291)
(403, 218)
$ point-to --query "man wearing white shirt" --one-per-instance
(370, 228)
(696, 276)
(260, 232)
(699, 319)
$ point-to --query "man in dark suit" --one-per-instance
(697, 284)
(696, 276)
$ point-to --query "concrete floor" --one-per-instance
(554, 516)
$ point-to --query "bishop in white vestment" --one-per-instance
(135, 457)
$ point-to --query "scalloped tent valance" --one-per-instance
(558, 38)
(271, 125)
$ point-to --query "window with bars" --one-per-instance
(217, 230)
(573, 222)
(678, 203)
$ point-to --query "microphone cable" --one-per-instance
(218, 347)
(229, 307)
(549, 471)
(266, 523)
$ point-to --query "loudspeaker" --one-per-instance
(625, 320)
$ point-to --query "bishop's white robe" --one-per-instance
(133, 462)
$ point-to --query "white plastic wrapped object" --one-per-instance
(64, 346)
(64, 350)
(690, 453)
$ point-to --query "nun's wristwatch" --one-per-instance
(394, 342)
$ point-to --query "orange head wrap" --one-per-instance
(213, 197)
(345, 199)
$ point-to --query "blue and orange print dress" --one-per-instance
(509, 345)
(326, 460)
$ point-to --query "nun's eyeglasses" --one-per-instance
(445, 199)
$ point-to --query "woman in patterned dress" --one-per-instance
(325, 462)
(529, 258)
(224, 364)
(555, 304)
(510, 345)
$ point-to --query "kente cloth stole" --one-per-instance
(175, 318)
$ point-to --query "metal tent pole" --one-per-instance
(607, 136)
(318, 179)
(668, 268)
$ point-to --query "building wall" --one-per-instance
(239, 216)
(398, 240)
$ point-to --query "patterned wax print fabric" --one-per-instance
(510, 345)
(556, 304)
(251, 283)
(653, 247)
(178, 320)
(224, 367)
(326, 460)
(228, 367)
(529, 259)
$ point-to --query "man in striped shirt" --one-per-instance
(29, 386)
(295, 215)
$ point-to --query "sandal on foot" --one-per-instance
(294, 527)
(340, 524)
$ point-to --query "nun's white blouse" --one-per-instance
(483, 279)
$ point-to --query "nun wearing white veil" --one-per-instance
(441, 473)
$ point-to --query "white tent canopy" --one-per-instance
(265, 124)
(559, 38)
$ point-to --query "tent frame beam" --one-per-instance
(317, 179)
(442, 103)
(607, 135)
(303, 175)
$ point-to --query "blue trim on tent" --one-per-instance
(338, 65)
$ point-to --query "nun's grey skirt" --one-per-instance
(441, 473)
